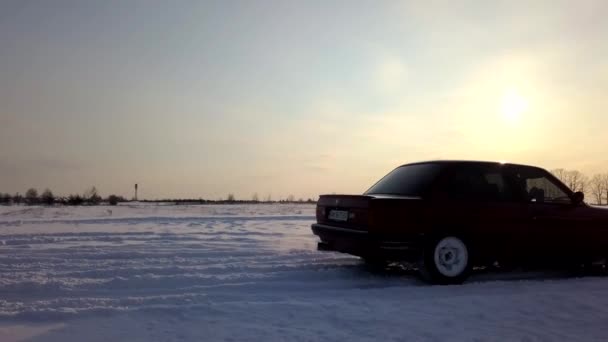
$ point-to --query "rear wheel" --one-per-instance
(446, 260)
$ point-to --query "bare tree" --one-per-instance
(561, 174)
(231, 198)
(574, 179)
(268, 198)
(75, 200)
(47, 197)
(583, 182)
(290, 198)
(605, 183)
(255, 198)
(597, 188)
(31, 196)
(17, 198)
(115, 199)
(92, 196)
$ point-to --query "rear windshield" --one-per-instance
(408, 180)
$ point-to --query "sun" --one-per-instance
(513, 105)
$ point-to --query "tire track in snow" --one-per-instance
(161, 220)
(66, 273)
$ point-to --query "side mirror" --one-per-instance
(578, 197)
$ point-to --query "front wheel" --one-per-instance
(446, 260)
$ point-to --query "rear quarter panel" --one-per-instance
(397, 217)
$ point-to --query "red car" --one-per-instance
(449, 216)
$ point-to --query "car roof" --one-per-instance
(469, 162)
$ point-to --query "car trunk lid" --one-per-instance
(348, 211)
(355, 211)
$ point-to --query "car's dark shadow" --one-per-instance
(489, 274)
(391, 269)
(549, 273)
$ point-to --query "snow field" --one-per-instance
(251, 273)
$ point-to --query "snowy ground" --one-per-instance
(234, 273)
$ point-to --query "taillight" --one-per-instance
(320, 213)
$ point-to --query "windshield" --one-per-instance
(408, 180)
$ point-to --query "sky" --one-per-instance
(205, 98)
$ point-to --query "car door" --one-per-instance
(482, 201)
(559, 229)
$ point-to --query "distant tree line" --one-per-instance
(231, 199)
(91, 197)
(32, 197)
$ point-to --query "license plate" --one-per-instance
(338, 215)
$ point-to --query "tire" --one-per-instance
(446, 260)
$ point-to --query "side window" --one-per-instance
(478, 184)
(544, 190)
(537, 187)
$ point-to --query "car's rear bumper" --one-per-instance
(365, 244)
